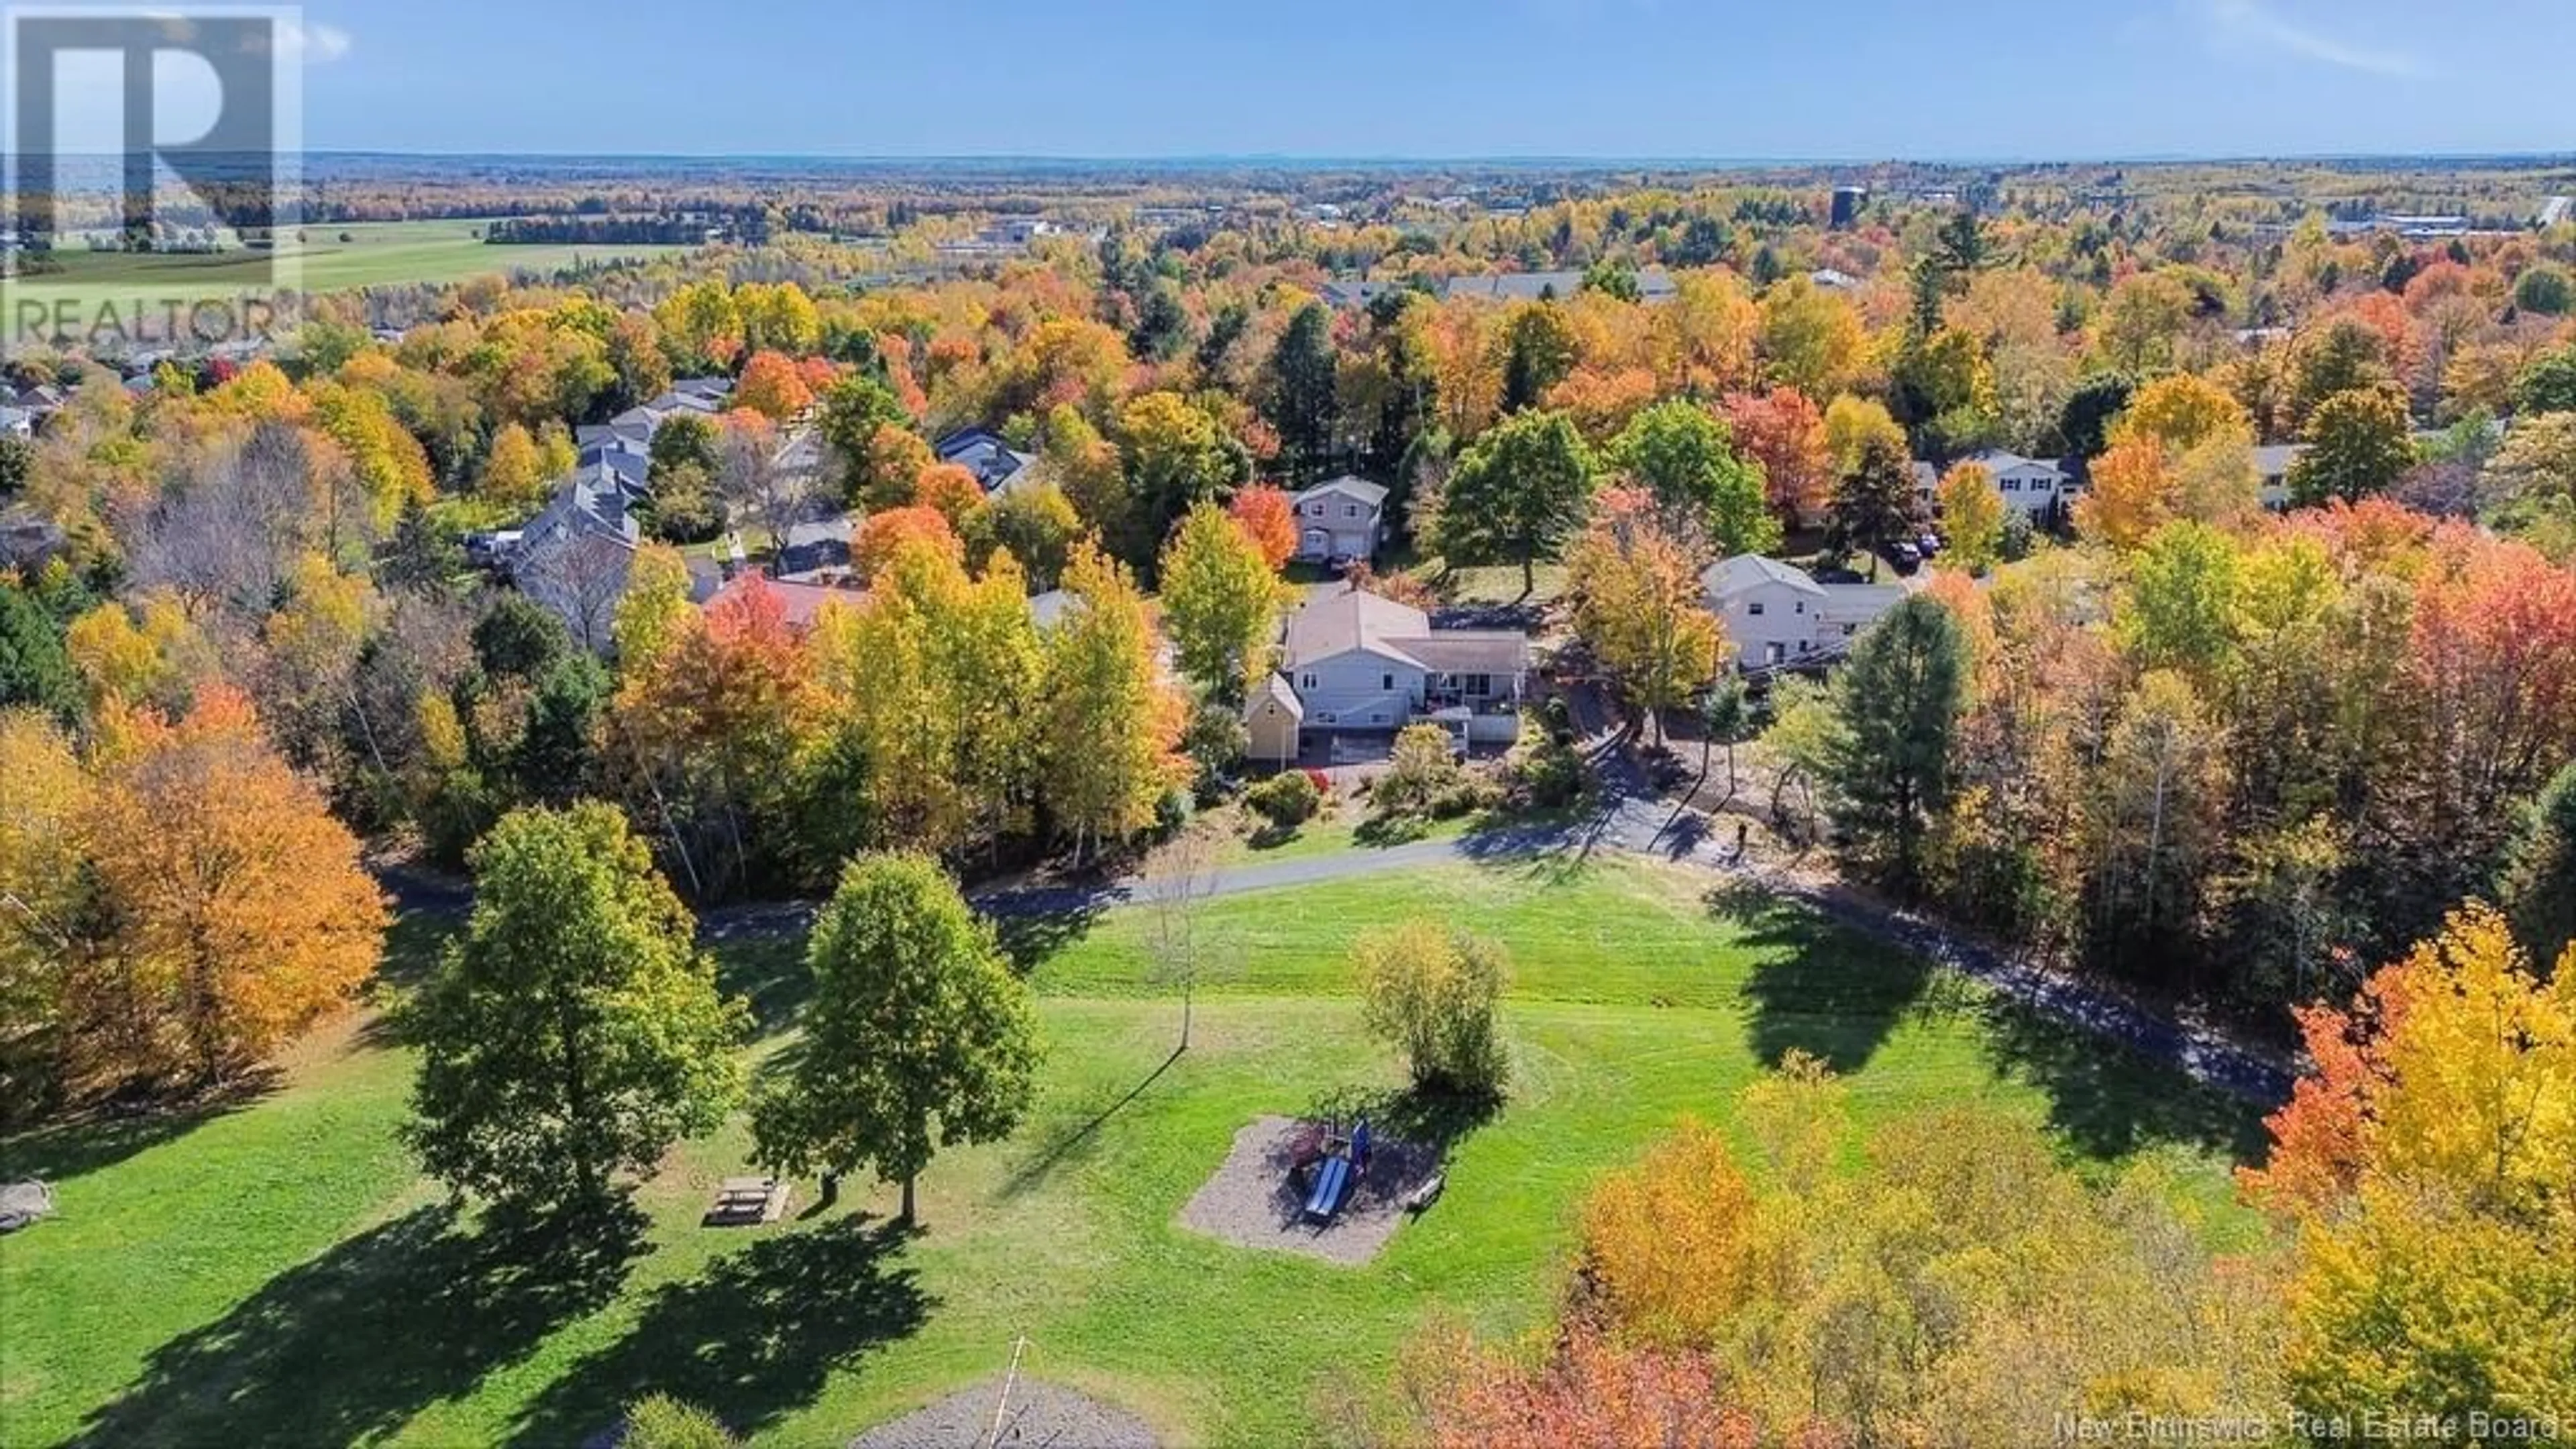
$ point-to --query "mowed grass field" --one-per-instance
(279, 1273)
(374, 254)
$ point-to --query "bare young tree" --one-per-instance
(580, 575)
(1177, 885)
(757, 484)
(227, 523)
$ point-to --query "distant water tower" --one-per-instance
(1848, 200)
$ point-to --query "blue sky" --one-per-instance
(1796, 79)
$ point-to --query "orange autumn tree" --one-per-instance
(241, 912)
(1785, 431)
(1267, 518)
(884, 534)
(2130, 495)
(950, 488)
(712, 723)
(896, 457)
(2456, 1065)
(772, 386)
(1593, 1393)
(1678, 1245)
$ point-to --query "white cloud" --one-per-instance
(2249, 24)
(314, 44)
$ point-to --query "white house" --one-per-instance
(1345, 518)
(2033, 485)
(2272, 461)
(1775, 614)
(1353, 662)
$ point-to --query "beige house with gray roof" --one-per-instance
(1353, 662)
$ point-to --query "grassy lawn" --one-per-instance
(1247, 840)
(374, 254)
(279, 1273)
(1497, 584)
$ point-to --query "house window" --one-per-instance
(1802, 606)
(1850, 629)
(2012, 485)
(1754, 608)
(1386, 681)
(1309, 683)
(1350, 510)
(1325, 719)
(1377, 719)
(1479, 685)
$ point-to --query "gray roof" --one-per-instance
(1996, 460)
(594, 501)
(2273, 460)
(1048, 609)
(1273, 690)
(1372, 494)
(982, 452)
(1468, 651)
(1728, 577)
(1338, 623)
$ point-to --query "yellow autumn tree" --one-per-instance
(2428, 1166)
(1679, 1246)
(514, 476)
(1972, 516)
(2182, 410)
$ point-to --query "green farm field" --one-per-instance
(373, 254)
(280, 1273)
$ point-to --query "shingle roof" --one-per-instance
(1468, 651)
(1729, 577)
(2272, 460)
(1996, 460)
(1275, 690)
(1372, 494)
(798, 604)
(1352, 619)
(982, 452)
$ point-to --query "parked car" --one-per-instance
(1930, 543)
(1905, 556)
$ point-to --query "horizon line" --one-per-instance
(1588, 160)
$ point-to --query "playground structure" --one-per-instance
(1326, 1169)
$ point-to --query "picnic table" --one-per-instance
(748, 1202)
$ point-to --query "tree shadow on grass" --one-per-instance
(1381, 832)
(750, 1341)
(768, 972)
(1433, 1122)
(1818, 988)
(2108, 1101)
(351, 1345)
(94, 1140)
(1078, 1144)
(1032, 937)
